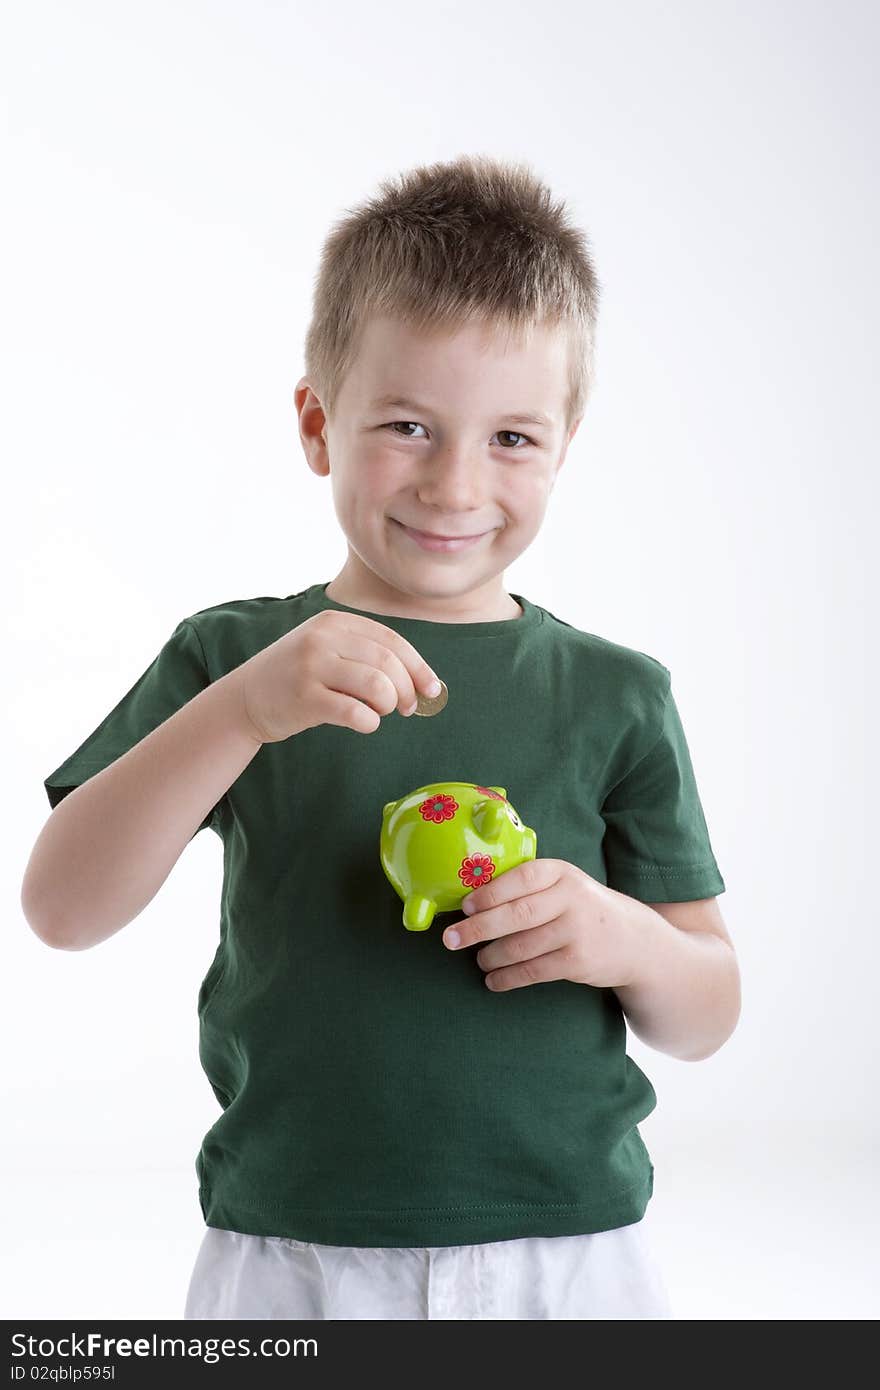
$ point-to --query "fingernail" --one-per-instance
(452, 937)
(467, 906)
(434, 688)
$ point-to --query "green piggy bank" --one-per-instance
(441, 841)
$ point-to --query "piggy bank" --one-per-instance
(441, 841)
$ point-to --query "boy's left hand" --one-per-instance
(548, 920)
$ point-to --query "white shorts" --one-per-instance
(605, 1274)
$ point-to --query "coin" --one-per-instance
(431, 704)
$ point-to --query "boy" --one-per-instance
(438, 1124)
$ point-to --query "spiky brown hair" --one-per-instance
(447, 243)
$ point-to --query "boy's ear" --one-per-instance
(312, 427)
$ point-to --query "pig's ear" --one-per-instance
(388, 808)
(502, 791)
(490, 818)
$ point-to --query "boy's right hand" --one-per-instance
(335, 668)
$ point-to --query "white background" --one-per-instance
(171, 171)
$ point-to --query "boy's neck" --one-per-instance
(370, 593)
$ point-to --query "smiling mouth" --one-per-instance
(435, 535)
(439, 545)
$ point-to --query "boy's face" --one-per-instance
(446, 455)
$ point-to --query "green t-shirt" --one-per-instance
(373, 1090)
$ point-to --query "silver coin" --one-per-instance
(431, 704)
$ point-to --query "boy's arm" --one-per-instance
(687, 1000)
(108, 847)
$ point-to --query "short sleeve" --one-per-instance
(176, 674)
(656, 842)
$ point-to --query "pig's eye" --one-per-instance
(514, 818)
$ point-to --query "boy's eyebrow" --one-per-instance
(534, 417)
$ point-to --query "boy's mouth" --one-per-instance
(429, 541)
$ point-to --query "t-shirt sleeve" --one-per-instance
(175, 675)
(656, 842)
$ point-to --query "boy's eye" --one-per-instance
(394, 423)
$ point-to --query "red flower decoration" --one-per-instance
(476, 869)
(487, 791)
(438, 808)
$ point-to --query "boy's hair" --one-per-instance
(444, 244)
